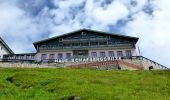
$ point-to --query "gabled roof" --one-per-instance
(6, 46)
(135, 39)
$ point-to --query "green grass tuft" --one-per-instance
(88, 84)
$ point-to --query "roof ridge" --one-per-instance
(85, 29)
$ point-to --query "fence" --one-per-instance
(86, 61)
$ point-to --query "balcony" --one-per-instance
(84, 47)
(84, 40)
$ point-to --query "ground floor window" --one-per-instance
(27, 57)
(68, 55)
(111, 53)
(22, 57)
(60, 56)
(32, 57)
(102, 54)
(43, 56)
(128, 53)
(52, 56)
(119, 54)
(93, 54)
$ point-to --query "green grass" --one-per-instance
(88, 84)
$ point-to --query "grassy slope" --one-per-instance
(85, 83)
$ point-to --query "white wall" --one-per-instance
(3, 51)
(38, 55)
(133, 51)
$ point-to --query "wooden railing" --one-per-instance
(83, 46)
(151, 61)
(95, 63)
(131, 65)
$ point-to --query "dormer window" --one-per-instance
(60, 39)
(83, 33)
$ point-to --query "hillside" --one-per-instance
(88, 84)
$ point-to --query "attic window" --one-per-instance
(1, 48)
(83, 33)
(43, 45)
(60, 39)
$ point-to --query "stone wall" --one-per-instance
(26, 65)
(137, 63)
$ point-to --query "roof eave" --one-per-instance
(130, 37)
(6, 46)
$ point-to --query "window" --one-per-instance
(94, 43)
(60, 56)
(102, 54)
(43, 56)
(60, 39)
(128, 53)
(68, 55)
(83, 33)
(94, 54)
(84, 44)
(27, 57)
(52, 56)
(111, 53)
(103, 43)
(22, 57)
(32, 57)
(119, 54)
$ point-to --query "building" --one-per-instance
(88, 48)
(24, 57)
(86, 43)
(4, 48)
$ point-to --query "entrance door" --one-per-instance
(80, 53)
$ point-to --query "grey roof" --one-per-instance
(6, 46)
(125, 36)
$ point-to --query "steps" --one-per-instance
(148, 62)
(108, 65)
(130, 65)
(98, 65)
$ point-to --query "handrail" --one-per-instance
(163, 67)
(131, 65)
(115, 58)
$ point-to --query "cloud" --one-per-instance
(23, 22)
(110, 14)
(89, 14)
(17, 28)
(153, 31)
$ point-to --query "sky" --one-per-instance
(23, 22)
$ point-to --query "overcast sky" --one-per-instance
(23, 22)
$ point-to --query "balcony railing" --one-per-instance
(85, 59)
(85, 39)
(83, 47)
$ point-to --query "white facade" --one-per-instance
(86, 43)
(3, 50)
(64, 53)
(56, 55)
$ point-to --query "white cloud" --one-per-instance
(153, 32)
(111, 14)
(92, 16)
(17, 28)
(66, 4)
